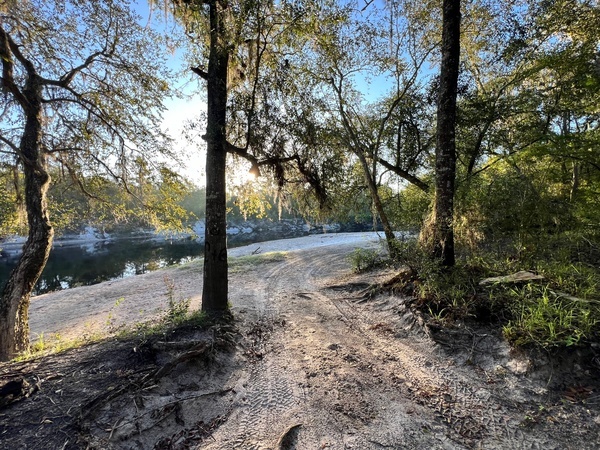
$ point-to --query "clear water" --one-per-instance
(80, 265)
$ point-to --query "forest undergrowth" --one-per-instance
(558, 309)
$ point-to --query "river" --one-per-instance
(91, 263)
(82, 263)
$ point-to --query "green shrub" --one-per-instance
(548, 319)
(410, 209)
(363, 260)
(562, 311)
(177, 310)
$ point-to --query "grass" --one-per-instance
(364, 260)
(143, 331)
(563, 310)
(140, 332)
(242, 263)
(55, 343)
(177, 315)
(546, 318)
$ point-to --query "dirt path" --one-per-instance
(357, 375)
(322, 371)
(320, 367)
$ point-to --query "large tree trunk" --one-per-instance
(214, 293)
(445, 161)
(14, 303)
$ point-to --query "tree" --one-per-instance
(364, 44)
(215, 287)
(211, 27)
(528, 118)
(445, 161)
(81, 91)
(235, 46)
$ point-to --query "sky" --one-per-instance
(193, 155)
(180, 110)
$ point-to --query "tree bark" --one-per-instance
(390, 237)
(574, 182)
(14, 302)
(575, 174)
(445, 164)
(215, 289)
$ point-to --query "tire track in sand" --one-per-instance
(352, 386)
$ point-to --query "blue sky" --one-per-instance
(179, 110)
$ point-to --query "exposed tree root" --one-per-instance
(403, 283)
(199, 351)
(288, 439)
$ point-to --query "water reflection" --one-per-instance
(91, 263)
(71, 266)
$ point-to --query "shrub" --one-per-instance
(547, 319)
(363, 260)
(177, 310)
(563, 311)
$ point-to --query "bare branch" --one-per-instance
(240, 151)
(201, 73)
(66, 79)
(10, 144)
(404, 174)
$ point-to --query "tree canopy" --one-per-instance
(82, 90)
(352, 102)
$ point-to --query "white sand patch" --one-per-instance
(101, 308)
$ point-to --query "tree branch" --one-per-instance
(201, 73)
(79, 183)
(10, 144)
(66, 79)
(400, 96)
(404, 174)
(7, 46)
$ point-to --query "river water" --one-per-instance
(84, 263)
(80, 265)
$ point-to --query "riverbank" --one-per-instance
(95, 256)
(103, 308)
(308, 362)
(254, 230)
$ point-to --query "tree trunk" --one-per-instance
(214, 293)
(445, 161)
(14, 302)
(390, 238)
(574, 181)
(575, 175)
(373, 176)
